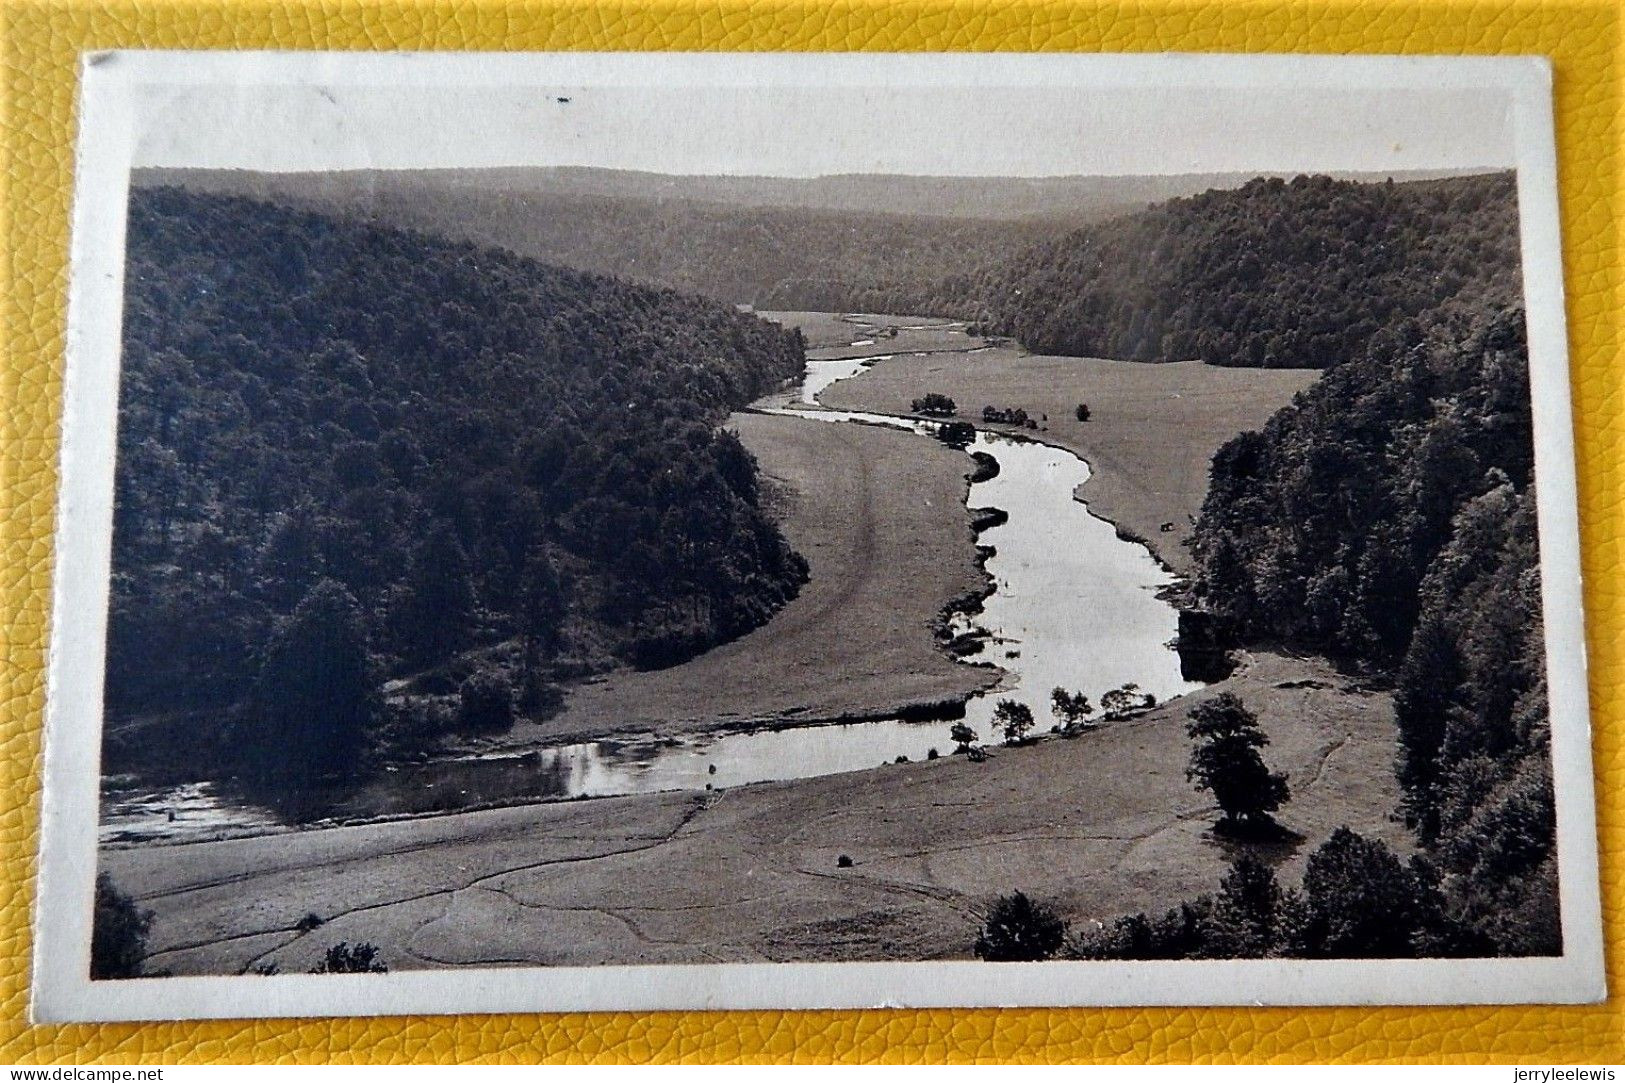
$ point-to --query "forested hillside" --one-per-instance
(1388, 517)
(713, 236)
(449, 446)
(1278, 274)
(769, 257)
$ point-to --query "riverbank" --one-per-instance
(1152, 431)
(880, 516)
(1096, 826)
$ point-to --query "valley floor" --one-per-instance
(1097, 826)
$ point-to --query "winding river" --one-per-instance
(1073, 606)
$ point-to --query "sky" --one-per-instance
(718, 115)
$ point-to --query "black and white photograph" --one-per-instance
(619, 531)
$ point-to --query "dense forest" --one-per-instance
(1387, 517)
(774, 258)
(1275, 274)
(388, 451)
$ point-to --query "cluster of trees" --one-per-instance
(1015, 721)
(957, 434)
(1358, 900)
(1008, 415)
(1387, 517)
(348, 452)
(1277, 274)
(934, 404)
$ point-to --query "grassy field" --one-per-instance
(1152, 433)
(880, 516)
(1095, 826)
(826, 330)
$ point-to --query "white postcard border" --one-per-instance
(106, 141)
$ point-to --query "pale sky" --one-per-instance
(721, 114)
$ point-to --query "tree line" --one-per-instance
(387, 450)
(1386, 518)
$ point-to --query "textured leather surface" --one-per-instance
(40, 42)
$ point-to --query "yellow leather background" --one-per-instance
(40, 41)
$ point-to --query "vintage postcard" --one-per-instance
(631, 531)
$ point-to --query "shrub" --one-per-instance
(118, 939)
(1019, 930)
(1013, 415)
(342, 958)
(485, 702)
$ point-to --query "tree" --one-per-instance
(1359, 902)
(962, 736)
(1070, 708)
(434, 614)
(1014, 720)
(1082, 412)
(1226, 761)
(1248, 911)
(1019, 930)
(314, 704)
(118, 939)
(541, 617)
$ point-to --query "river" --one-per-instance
(1073, 606)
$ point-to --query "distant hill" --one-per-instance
(1288, 274)
(870, 242)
